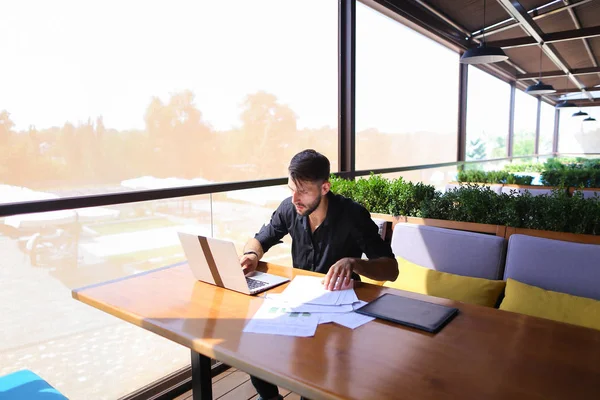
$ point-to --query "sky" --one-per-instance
(73, 60)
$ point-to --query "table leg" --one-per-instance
(201, 377)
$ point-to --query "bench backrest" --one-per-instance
(447, 250)
(556, 265)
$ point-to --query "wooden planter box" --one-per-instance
(565, 236)
(498, 230)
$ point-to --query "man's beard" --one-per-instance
(312, 207)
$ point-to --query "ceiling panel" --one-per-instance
(589, 80)
(555, 23)
(511, 33)
(469, 13)
(595, 46)
(528, 58)
(589, 14)
(574, 53)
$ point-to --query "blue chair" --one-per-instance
(25, 385)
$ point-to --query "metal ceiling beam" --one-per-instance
(536, 15)
(516, 10)
(586, 43)
(566, 91)
(580, 33)
(586, 103)
(558, 74)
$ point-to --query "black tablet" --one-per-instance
(418, 314)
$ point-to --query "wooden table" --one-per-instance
(483, 353)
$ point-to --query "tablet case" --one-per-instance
(418, 314)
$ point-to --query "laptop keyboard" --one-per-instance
(254, 284)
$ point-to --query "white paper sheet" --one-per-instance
(273, 319)
(310, 308)
(310, 290)
(350, 320)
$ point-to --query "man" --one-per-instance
(329, 235)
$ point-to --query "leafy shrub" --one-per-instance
(524, 167)
(380, 195)
(493, 177)
(469, 203)
(407, 198)
(578, 177)
(473, 203)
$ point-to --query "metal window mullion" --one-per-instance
(536, 150)
(463, 84)
(347, 87)
(556, 131)
(511, 122)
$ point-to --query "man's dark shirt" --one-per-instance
(347, 231)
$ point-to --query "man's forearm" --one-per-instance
(379, 269)
(255, 246)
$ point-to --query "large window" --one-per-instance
(116, 96)
(525, 124)
(546, 128)
(488, 105)
(577, 135)
(406, 95)
(101, 92)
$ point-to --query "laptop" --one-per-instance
(216, 261)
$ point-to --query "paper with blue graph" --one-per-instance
(302, 306)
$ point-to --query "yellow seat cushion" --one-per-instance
(562, 307)
(414, 278)
(372, 281)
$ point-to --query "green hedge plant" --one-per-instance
(473, 203)
(493, 177)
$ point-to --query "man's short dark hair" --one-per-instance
(309, 166)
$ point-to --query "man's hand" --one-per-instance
(249, 263)
(339, 276)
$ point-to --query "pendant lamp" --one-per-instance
(483, 54)
(580, 114)
(540, 87)
(590, 119)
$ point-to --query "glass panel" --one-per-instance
(576, 135)
(406, 95)
(488, 105)
(74, 346)
(196, 90)
(239, 215)
(546, 128)
(437, 177)
(525, 124)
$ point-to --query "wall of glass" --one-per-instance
(577, 135)
(76, 347)
(546, 128)
(525, 124)
(488, 106)
(193, 90)
(406, 95)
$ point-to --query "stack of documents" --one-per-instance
(305, 304)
